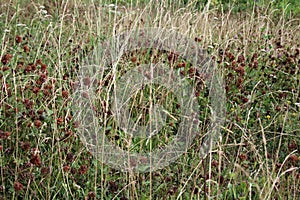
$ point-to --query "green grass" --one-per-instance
(256, 49)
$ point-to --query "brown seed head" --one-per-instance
(36, 160)
(243, 157)
(18, 186)
(65, 94)
(82, 169)
(25, 146)
(18, 39)
(26, 49)
(37, 123)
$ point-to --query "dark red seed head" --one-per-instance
(70, 157)
(82, 169)
(43, 67)
(243, 157)
(215, 163)
(6, 58)
(5, 68)
(37, 123)
(133, 59)
(65, 94)
(60, 121)
(66, 168)
(25, 146)
(91, 194)
(18, 39)
(292, 146)
(36, 160)
(35, 90)
(45, 170)
(18, 186)
(39, 62)
(26, 49)
(241, 58)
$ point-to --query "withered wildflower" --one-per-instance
(65, 77)
(19, 66)
(243, 157)
(113, 186)
(45, 170)
(132, 162)
(65, 94)
(39, 62)
(28, 103)
(240, 81)
(181, 65)
(4, 134)
(33, 66)
(18, 186)
(68, 133)
(292, 146)
(25, 146)
(35, 90)
(40, 112)
(73, 170)
(6, 58)
(197, 39)
(46, 93)
(43, 77)
(172, 57)
(172, 190)
(293, 158)
(255, 64)
(74, 85)
(240, 70)
(66, 168)
(254, 57)
(5, 68)
(91, 194)
(82, 170)
(133, 59)
(26, 49)
(37, 123)
(19, 39)
(28, 69)
(230, 56)
(241, 58)
(227, 88)
(36, 159)
(60, 121)
(215, 163)
(43, 67)
(70, 157)
(245, 99)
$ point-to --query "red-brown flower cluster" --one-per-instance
(19, 39)
(4, 134)
(18, 186)
(6, 58)
(36, 159)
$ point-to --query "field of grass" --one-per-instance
(44, 46)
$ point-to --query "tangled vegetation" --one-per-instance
(255, 45)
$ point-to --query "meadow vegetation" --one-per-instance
(256, 46)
